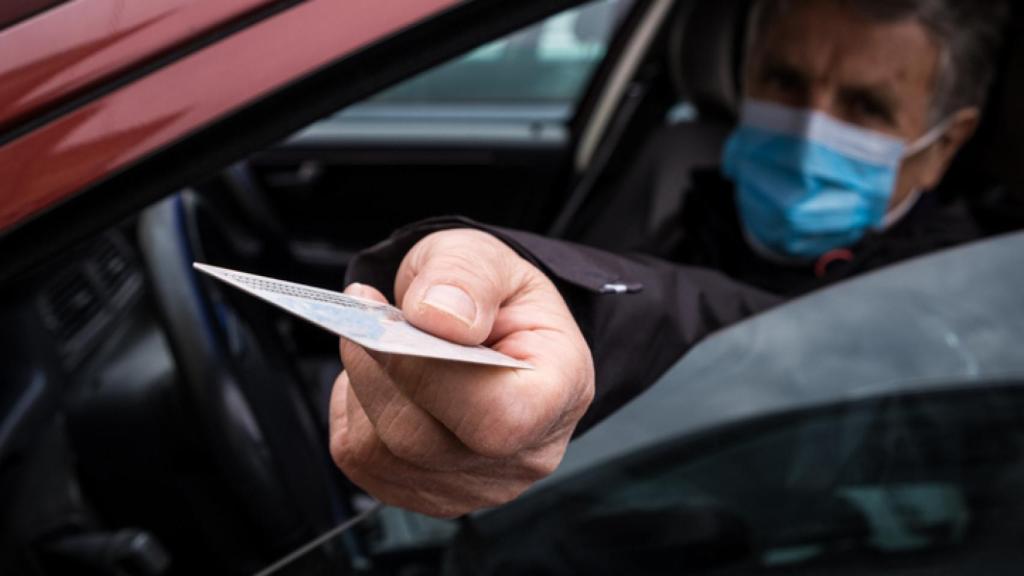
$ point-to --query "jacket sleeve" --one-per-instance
(638, 314)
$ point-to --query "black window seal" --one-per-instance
(30, 14)
(29, 245)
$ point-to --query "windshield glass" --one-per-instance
(904, 483)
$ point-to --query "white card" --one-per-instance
(372, 325)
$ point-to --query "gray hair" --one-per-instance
(970, 33)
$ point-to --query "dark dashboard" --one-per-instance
(80, 346)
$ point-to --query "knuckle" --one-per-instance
(489, 444)
(469, 253)
(406, 447)
(503, 494)
(586, 386)
(501, 434)
(477, 273)
(542, 462)
(409, 436)
(350, 454)
(539, 468)
(579, 377)
(342, 454)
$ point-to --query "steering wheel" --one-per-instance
(268, 451)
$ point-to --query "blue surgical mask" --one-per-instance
(807, 183)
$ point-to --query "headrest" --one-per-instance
(706, 48)
(1003, 135)
(989, 172)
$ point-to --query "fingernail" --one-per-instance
(453, 301)
(356, 289)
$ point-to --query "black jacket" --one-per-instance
(640, 314)
(709, 234)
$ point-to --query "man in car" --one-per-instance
(854, 110)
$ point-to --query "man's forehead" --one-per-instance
(831, 39)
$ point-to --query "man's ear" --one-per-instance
(962, 126)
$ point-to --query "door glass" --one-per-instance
(925, 483)
(548, 63)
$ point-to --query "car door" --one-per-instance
(872, 427)
(111, 105)
(115, 106)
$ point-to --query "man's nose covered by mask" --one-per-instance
(808, 183)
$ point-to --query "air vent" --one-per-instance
(82, 303)
(112, 267)
(70, 305)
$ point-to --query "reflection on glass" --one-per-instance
(919, 483)
(549, 62)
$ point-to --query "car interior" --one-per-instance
(152, 422)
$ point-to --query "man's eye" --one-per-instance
(870, 108)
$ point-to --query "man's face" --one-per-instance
(824, 55)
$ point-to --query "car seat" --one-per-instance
(989, 171)
(704, 47)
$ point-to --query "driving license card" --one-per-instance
(372, 325)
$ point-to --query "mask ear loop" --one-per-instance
(896, 214)
(928, 140)
(920, 145)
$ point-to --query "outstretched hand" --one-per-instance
(446, 438)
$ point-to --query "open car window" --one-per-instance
(542, 68)
(548, 62)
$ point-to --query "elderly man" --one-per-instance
(854, 110)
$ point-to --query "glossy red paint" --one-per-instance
(63, 50)
(59, 159)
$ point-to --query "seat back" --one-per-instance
(994, 161)
(704, 50)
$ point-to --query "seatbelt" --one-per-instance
(320, 540)
(591, 176)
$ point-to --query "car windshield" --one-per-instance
(910, 483)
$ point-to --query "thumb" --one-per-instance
(453, 283)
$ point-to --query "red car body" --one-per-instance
(89, 87)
